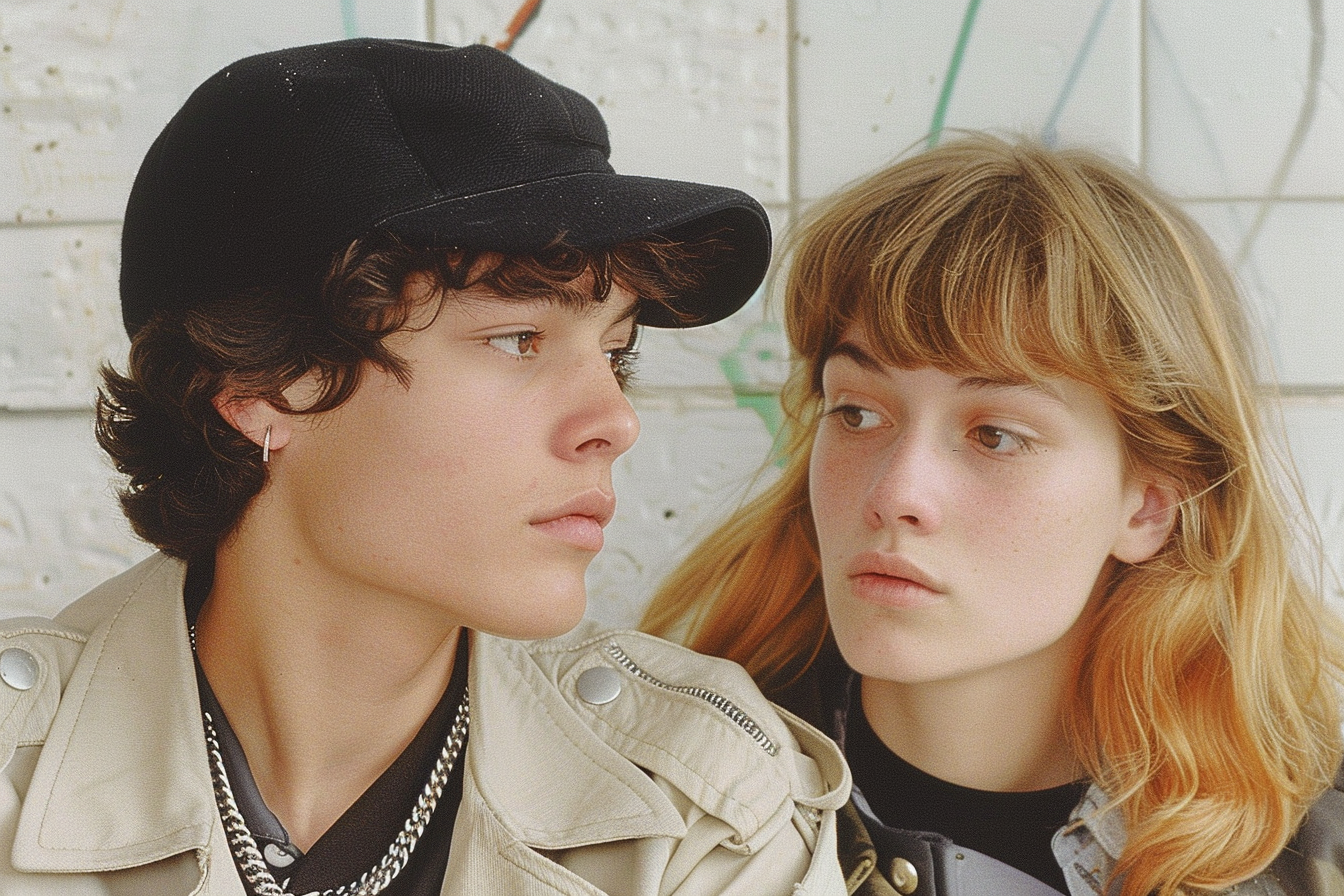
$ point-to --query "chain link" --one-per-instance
(253, 865)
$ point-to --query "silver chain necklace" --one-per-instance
(253, 865)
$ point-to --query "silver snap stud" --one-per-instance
(904, 876)
(18, 668)
(598, 685)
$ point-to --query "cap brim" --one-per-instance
(596, 209)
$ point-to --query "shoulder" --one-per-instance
(39, 655)
(1313, 863)
(615, 737)
(680, 692)
(689, 718)
(669, 668)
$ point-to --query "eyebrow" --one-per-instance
(867, 361)
(986, 382)
(847, 349)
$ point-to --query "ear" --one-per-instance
(1152, 508)
(253, 416)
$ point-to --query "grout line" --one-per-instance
(791, 108)
(51, 225)
(1143, 86)
(1276, 200)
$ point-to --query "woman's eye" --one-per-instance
(1000, 441)
(519, 344)
(854, 417)
(623, 364)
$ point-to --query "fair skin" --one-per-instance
(473, 496)
(964, 525)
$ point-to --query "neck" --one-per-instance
(999, 730)
(324, 683)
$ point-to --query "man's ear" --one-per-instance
(1156, 503)
(256, 418)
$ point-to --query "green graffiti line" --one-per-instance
(746, 393)
(348, 18)
(953, 67)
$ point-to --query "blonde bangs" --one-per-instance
(983, 274)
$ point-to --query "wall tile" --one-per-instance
(85, 87)
(59, 315)
(869, 74)
(1316, 438)
(61, 531)
(690, 89)
(1294, 280)
(1226, 84)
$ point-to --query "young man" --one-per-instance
(382, 299)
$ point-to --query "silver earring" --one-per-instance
(266, 446)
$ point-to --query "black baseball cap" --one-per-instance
(279, 161)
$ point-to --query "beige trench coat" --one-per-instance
(105, 788)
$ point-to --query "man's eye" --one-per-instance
(623, 364)
(519, 344)
(1000, 441)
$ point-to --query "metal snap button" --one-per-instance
(598, 685)
(18, 668)
(904, 876)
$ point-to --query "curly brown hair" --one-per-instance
(191, 475)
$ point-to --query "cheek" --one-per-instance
(831, 487)
(1051, 541)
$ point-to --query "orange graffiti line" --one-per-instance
(519, 24)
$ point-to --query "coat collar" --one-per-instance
(124, 770)
(548, 779)
(562, 772)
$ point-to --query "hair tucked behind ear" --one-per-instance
(1207, 700)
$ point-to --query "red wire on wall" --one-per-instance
(521, 20)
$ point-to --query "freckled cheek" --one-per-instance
(1025, 541)
(835, 495)
(1008, 530)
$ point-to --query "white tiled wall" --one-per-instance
(1233, 105)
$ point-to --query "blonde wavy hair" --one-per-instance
(1207, 703)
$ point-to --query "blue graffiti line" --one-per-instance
(953, 67)
(1315, 59)
(348, 18)
(1050, 132)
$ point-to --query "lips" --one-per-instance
(891, 580)
(578, 521)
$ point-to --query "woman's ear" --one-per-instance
(1149, 525)
(257, 419)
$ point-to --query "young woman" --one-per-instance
(1028, 559)
(382, 299)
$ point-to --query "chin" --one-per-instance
(542, 616)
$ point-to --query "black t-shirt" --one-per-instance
(1015, 828)
(359, 839)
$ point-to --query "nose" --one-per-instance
(906, 486)
(601, 423)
